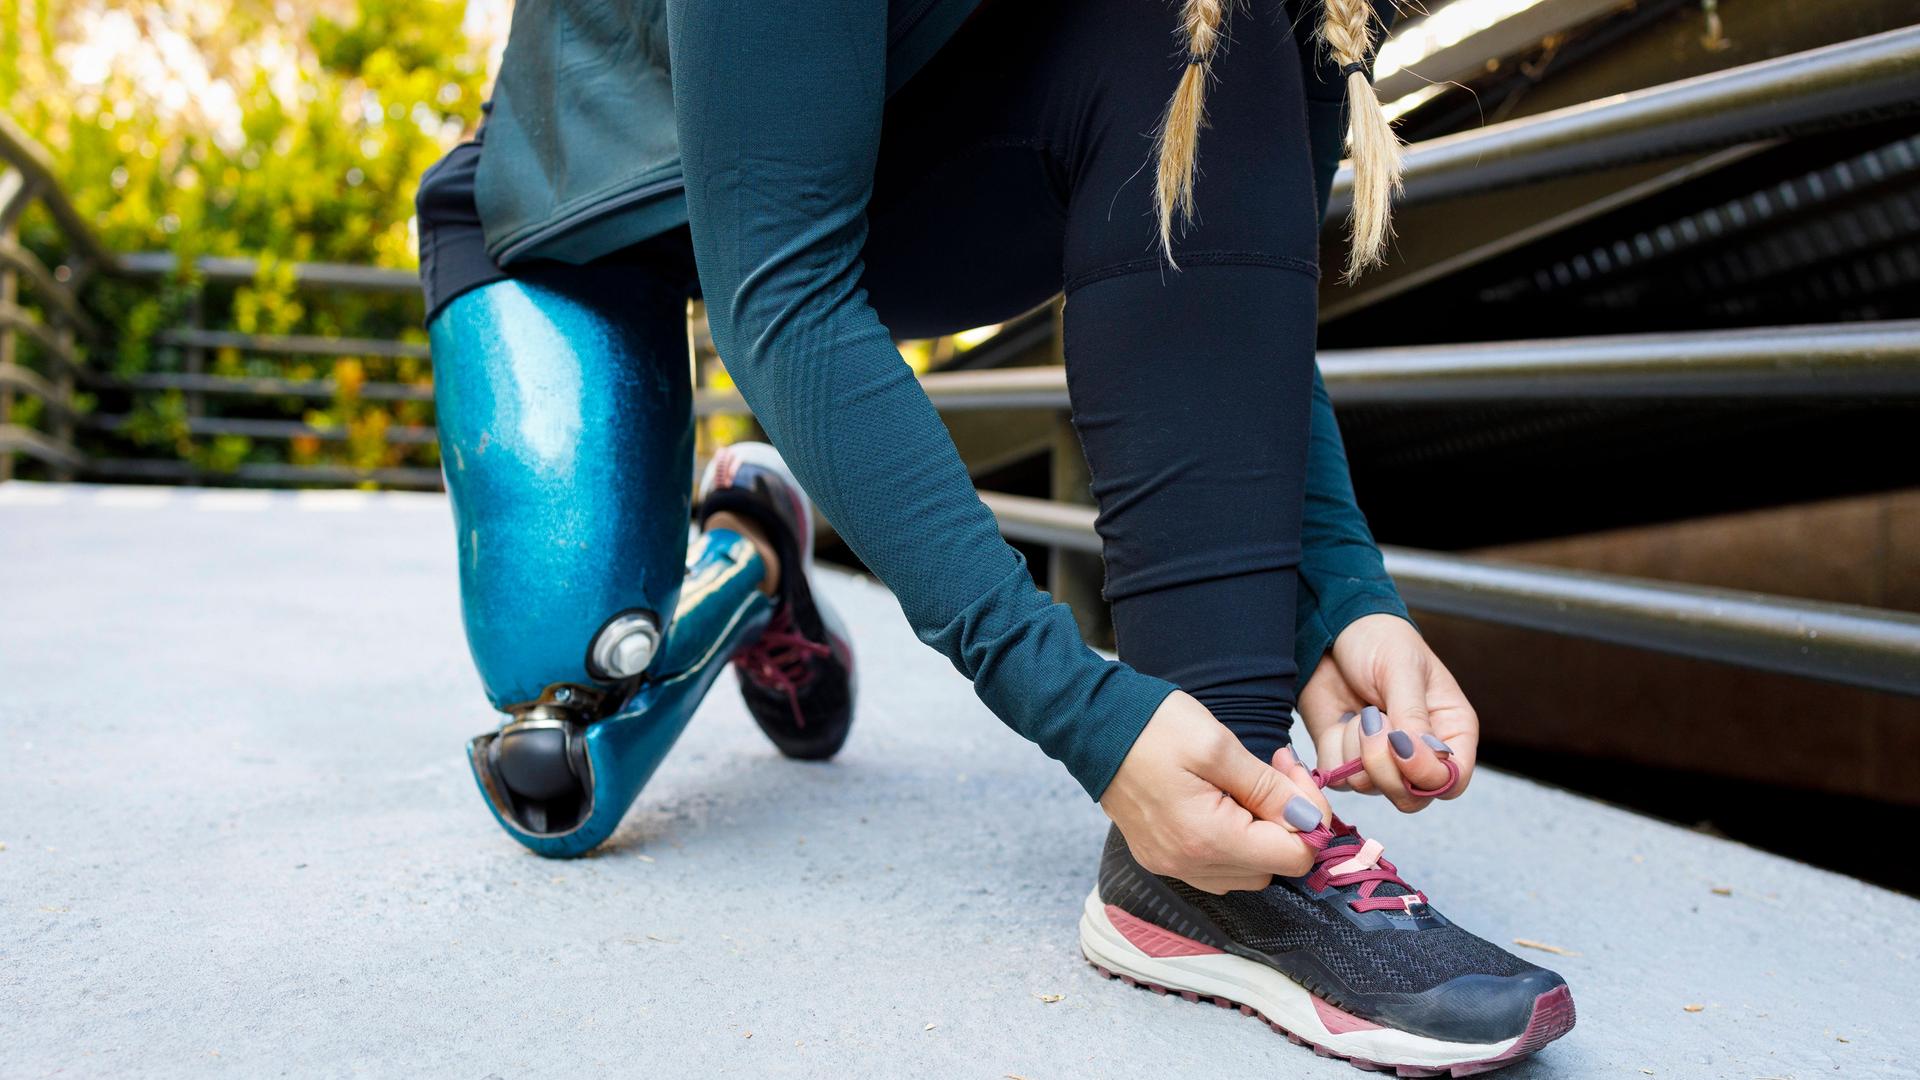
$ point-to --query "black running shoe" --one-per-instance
(1349, 960)
(797, 677)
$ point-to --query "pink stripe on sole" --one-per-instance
(1339, 1021)
(1155, 941)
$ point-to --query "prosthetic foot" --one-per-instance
(797, 677)
(562, 772)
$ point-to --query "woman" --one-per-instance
(846, 172)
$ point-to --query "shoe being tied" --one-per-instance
(1349, 960)
(798, 676)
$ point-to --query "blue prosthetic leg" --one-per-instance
(566, 432)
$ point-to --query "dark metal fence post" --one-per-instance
(60, 414)
(196, 354)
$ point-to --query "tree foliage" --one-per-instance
(289, 130)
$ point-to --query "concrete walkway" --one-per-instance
(240, 839)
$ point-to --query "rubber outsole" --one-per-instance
(1553, 1016)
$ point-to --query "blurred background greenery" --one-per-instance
(291, 131)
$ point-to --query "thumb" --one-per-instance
(1266, 792)
(1289, 763)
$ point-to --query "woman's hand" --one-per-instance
(1381, 663)
(1195, 805)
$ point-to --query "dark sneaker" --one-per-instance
(1349, 960)
(797, 677)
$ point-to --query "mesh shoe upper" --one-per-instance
(1410, 969)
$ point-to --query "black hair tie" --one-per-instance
(1357, 67)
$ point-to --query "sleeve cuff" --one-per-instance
(1120, 711)
(1319, 629)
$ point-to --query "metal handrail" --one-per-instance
(231, 270)
(292, 344)
(283, 430)
(1841, 643)
(269, 387)
(28, 177)
(1850, 360)
(1841, 85)
(36, 168)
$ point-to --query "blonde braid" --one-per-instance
(1203, 23)
(1347, 28)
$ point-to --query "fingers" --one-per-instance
(1382, 763)
(1455, 725)
(1349, 749)
(1266, 792)
(1289, 763)
(1409, 732)
(1275, 809)
(1268, 846)
(1219, 885)
(1325, 699)
(1466, 754)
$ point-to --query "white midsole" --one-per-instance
(1282, 1000)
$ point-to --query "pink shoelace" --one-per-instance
(780, 660)
(1361, 864)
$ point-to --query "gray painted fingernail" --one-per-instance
(1370, 721)
(1436, 745)
(1301, 814)
(1344, 717)
(1401, 742)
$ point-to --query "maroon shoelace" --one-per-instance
(782, 660)
(1358, 861)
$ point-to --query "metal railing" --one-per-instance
(46, 370)
(1859, 361)
(1844, 85)
(1841, 643)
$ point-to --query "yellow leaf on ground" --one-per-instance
(1529, 943)
(1694, 1008)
